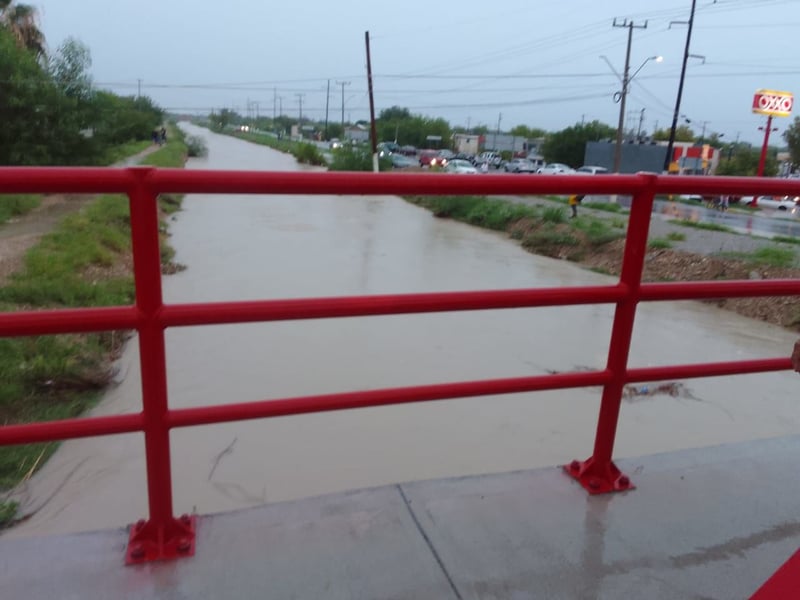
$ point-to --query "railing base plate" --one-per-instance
(149, 541)
(598, 478)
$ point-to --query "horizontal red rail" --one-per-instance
(70, 428)
(76, 428)
(178, 315)
(77, 320)
(90, 179)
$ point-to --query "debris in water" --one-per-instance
(670, 388)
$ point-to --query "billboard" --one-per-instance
(773, 103)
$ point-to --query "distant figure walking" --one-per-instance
(163, 136)
(796, 356)
(573, 202)
(154, 136)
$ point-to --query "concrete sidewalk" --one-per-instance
(704, 523)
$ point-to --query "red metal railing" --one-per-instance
(164, 536)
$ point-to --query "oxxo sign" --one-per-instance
(773, 103)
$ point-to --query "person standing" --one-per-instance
(796, 356)
(574, 200)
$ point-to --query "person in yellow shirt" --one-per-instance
(573, 204)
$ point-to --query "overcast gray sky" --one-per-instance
(535, 63)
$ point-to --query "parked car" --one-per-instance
(782, 203)
(387, 148)
(536, 160)
(461, 166)
(446, 154)
(431, 158)
(519, 165)
(400, 161)
(592, 170)
(408, 150)
(493, 158)
(335, 143)
(556, 169)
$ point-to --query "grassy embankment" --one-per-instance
(15, 205)
(302, 151)
(541, 229)
(84, 262)
(548, 231)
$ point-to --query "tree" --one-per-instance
(569, 145)
(22, 21)
(69, 69)
(399, 124)
(530, 133)
(792, 138)
(682, 134)
(744, 162)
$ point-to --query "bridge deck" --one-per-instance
(707, 523)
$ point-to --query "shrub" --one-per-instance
(308, 153)
(357, 159)
(676, 236)
(659, 243)
(196, 146)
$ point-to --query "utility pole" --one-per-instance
(641, 121)
(300, 125)
(497, 132)
(373, 133)
(630, 25)
(343, 83)
(139, 88)
(274, 105)
(327, 103)
(668, 158)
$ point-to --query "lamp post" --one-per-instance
(763, 160)
(622, 95)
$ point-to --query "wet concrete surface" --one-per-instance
(240, 248)
(713, 523)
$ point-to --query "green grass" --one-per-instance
(771, 256)
(707, 226)
(304, 152)
(545, 239)
(612, 207)
(554, 214)
(786, 239)
(659, 243)
(75, 265)
(597, 231)
(476, 210)
(774, 256)
(14, 205)
(7, 511)
(618, 223)
(119, 153)
(676, 236)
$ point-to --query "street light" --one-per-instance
(621, 97)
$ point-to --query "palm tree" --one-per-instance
(22, 21)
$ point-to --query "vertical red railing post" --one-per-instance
(161, 536)
(599, 474)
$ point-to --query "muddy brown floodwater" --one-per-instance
(239, 248)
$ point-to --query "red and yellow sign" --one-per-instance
(773, 103)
